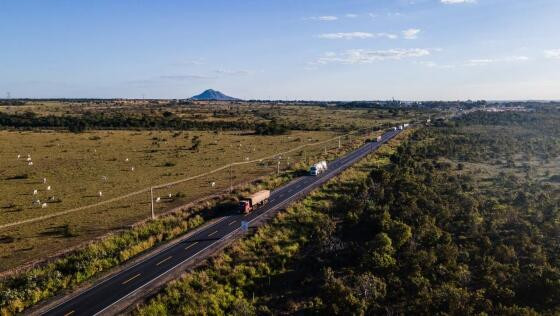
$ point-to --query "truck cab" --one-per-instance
(244, 207)
(313, 171)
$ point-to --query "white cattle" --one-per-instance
(35, 192)
(100, 194)
(30, 163)
(44, 205)
(44, 180)
(158, 199)
(131, 168)
(170, 195)
(213, 184)
(49, 188)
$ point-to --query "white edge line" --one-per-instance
(125, 270)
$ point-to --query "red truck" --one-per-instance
(249, 204)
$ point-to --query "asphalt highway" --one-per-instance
(103, 295)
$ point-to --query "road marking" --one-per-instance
(134, 277)
(212, 233)
(231, 223)
(194, 243)
(162, 261)
(69, 313)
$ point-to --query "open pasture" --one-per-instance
(70, 170)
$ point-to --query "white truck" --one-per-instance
(379, 139)
(249, 204)
(405, 125)
(400, 127)
(318, 168)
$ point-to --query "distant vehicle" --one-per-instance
(255, 200)
(378, 139)
(318, 168)
(394, 128)
(405, 125)
(401, 127)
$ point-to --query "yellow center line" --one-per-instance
(162, 261)
(231, 223)
(69, 313)
(194, 243)
(134, 277)
(212, 233)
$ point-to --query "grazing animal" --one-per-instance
(44, 205)
(18, 156)
(126, 160)
(35, 192)
(30, 163)
(158, 199)
(132, 169)
(170, 195)
(44, 180)
(49, 188)
(28, 158)
(213, 184)
(100, 194)
(104, 178)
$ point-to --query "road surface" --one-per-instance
(105, 294)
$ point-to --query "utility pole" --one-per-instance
(278, 167)
(152, 200)
(339, 145)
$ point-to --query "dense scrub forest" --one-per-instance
(462, 218)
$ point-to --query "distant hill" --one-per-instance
(213, 95)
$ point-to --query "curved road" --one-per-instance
(105, 294)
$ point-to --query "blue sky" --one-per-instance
(290, 49)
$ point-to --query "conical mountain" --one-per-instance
(213, 95)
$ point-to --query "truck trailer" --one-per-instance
(378, 139)
(255, 200)
(318, 168)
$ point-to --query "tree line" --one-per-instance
(88, 120)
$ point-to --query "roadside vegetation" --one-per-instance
(462, 218)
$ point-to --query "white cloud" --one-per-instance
(431, 64)
(363, 56)
(552, 53)
(323, 18)
(457, 1)
(351, 15)
(232, 72)
(488, 61)
(411, 33)
(356, 35)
